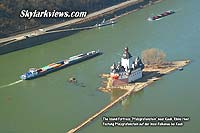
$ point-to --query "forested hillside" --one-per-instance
(10, 22)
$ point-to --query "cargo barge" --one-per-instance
(37, 72)
(158, 17)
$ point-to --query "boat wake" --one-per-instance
(150, 19)
(14, 83)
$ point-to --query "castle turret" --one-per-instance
(126, 71)
(127, 59)
(138, 63)
(113, 68)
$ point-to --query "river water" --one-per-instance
(50, 104)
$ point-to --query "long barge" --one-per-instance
(37, 72)
(164, 14)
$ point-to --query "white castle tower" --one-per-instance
(126, 71)
(127, 59)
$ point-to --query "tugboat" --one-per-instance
(37, 72)
(166, 13)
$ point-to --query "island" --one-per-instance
(133, 76)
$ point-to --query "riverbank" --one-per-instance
(74, 21)
(40, 36)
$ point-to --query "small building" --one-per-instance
(127, 70)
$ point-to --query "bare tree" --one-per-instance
(153, 56)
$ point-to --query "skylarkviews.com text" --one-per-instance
(52, 14)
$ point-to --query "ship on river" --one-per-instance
(37, 72)
(164, 14)
(105, 23)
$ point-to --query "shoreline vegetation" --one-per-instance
(22, 35)
(12, 23)
(151, 73)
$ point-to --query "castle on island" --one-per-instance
(126, 71)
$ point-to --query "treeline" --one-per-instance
(10, 22)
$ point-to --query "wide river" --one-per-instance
(50, 104)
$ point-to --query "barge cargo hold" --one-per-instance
(37, 72)
(158, 17)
